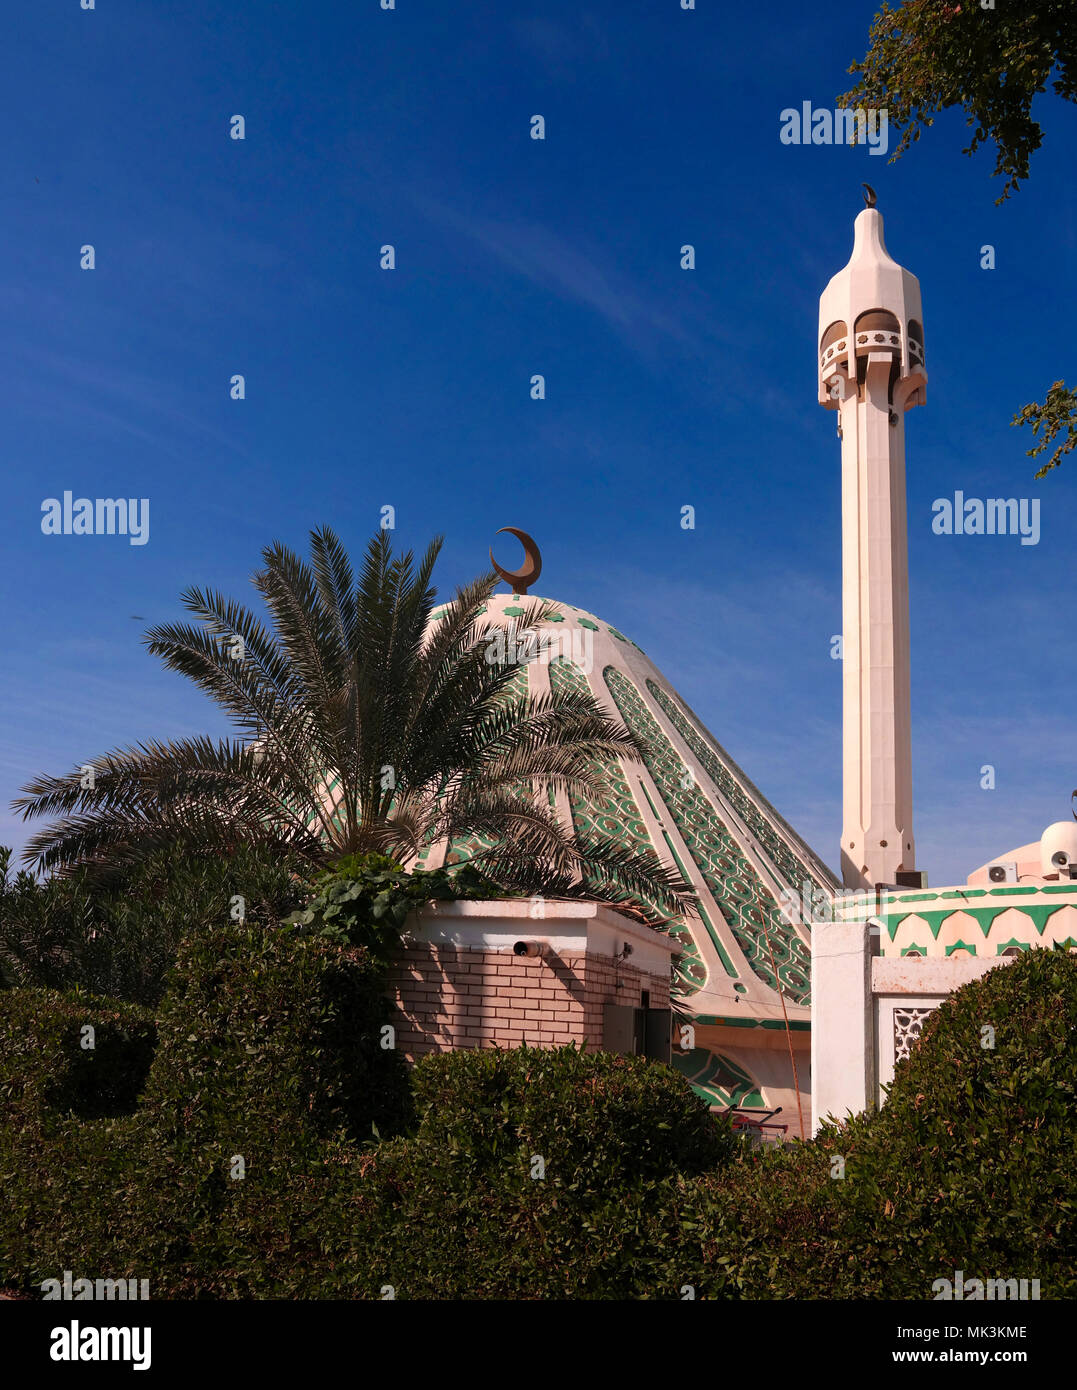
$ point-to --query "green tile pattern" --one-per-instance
(716, 1079)
(747, 904)
(615, 816)
(757, 813)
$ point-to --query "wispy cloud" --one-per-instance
(85, 387)
(646, 318)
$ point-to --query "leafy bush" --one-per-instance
(55, 1153)
(116, 933)
(45, 1067)
(365, 899)
(765, 1227)
(540, 1174)
(269, 1051)
(598, 1119)
(277, 1031)
(967, 1166)
(451, 1212)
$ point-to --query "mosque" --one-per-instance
(772, 921)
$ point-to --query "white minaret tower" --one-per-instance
(871, 371)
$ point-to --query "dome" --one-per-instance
(691, 804)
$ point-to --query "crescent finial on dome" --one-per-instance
(520, 580)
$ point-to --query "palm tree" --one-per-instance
(361, 726)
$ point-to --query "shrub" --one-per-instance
(269, 1050)
(597, 1118)
(44, 1066)
(765, 1227)
(365, 899)
(967, 1166)
(58, 1165)
(115, 933)
(279, 1031)
(269, 1074)
(459, 1210)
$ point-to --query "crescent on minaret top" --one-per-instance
(869, 195)
(520, 580)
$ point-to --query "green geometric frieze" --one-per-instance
(1039, 915)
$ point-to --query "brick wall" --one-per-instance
(450, 997)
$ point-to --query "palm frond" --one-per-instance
(360, 722)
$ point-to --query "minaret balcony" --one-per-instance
(911, 353)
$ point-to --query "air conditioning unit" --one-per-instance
(1004, 872)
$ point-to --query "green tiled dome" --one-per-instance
(693, 806)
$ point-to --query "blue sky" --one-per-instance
(411, 387)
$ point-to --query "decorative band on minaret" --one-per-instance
(871, 371)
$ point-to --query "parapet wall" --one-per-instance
(459, 982)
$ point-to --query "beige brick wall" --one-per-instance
(449, 997)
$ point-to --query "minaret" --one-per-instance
(871, 371)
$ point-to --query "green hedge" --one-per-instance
(115, 933)
(598, 1119)
(540, 1174)
(268, 1050)
(967, 1166)
(58, 1164)
(269, 1047)
(275, 1029)
(45, 1066)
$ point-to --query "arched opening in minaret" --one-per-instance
(916, 343)
(834, 341)
(876, 330)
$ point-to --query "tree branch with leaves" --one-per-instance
(929, 56)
